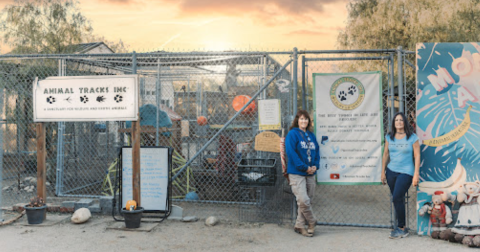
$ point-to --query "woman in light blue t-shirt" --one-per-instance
(401, 146)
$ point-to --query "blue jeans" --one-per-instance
(399, 184)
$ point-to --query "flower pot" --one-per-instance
(35, 215)
(132, 218)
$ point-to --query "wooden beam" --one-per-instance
(136, 192)
(41, 162)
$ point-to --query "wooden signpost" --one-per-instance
(59, 99)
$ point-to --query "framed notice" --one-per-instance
(86, 98)
(269, 116)
(155, 168)
(348, 126)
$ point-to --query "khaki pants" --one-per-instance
(303, 187)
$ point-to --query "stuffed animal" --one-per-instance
(467, 226)
(440, 214)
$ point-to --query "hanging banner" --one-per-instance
(86, 98)
(448, 125)
(348, 126)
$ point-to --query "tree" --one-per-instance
(43, 26)
(377, 24)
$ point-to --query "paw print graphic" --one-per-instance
(84, 99)
(118, 98)
(352, 90)
(342, 96)
(50, 99)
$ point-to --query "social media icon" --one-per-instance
(334, 176)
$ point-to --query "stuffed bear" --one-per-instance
(440, 214)
(467, 226)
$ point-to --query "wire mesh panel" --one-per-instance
(358, 205)
(202, 104)
(410, 111)
(189, 101)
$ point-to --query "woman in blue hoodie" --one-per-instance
(303, 155)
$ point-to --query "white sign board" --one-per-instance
(348, 126)
(269, 116)
(153, 177)
(86, 98)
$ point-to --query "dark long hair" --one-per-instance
(299, 114)
(406, 126)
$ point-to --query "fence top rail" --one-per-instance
(148, 54)
(347, 51)
(348, 58)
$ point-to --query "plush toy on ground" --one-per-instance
(467, 226)
(440, 214)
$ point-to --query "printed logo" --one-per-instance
(334, 176)
(347, 93)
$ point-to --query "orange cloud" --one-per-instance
(306, 32)
(269, 12)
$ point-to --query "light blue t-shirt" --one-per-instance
(401, 154)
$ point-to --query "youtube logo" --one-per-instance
(334, 176)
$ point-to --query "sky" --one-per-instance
(217, 24)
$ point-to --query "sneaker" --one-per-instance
(398, 233)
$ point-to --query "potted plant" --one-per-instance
(36, 210)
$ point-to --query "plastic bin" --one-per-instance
(257, 172)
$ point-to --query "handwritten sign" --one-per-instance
(269, 117)
(267, 141)
(154, 168)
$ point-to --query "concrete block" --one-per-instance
(83, 203)
(95, 208)
(176, 213)
(68, 204)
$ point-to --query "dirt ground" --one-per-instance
(96, 235)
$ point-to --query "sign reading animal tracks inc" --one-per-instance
(86, 98)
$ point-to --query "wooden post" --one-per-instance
(136, 161)
(41, 162)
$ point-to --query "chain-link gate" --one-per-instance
(334, 204)
(204, 105)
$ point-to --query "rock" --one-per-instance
(211, 221)
(81, 215)
(33, 181)
(5, 188)
(190, 219)
(47, 183)
(27, 179)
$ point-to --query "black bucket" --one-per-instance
(132, 218)
(35, 215)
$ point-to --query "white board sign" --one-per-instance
(86, 98)
(154, 170)
(269, 114)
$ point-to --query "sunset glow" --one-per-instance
(215, 24)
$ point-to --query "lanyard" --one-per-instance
(308, 147)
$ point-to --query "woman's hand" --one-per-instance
(311, 170)
(384, 179)
(415, 180)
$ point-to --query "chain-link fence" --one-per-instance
(193, 103)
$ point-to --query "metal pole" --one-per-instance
(60, 143)
(157, 101)
(264, 73)
(2, 122)
(304, 103)
(400, 78)
(392, 92)
(295, 84)
(231, 120)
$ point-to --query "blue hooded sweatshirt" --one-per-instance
(296, 148)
